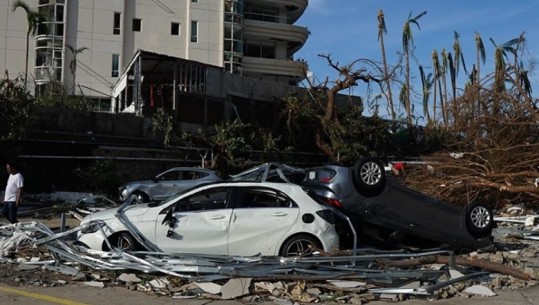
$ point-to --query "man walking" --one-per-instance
(13, 194)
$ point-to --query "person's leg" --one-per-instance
(12, 212)
(4, 210)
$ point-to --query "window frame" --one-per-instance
(281, 200)
(115, 71)
(191, 205)
(117, 23)
(194, 31)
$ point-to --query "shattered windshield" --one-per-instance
(271, 172)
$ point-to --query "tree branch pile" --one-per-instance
(493, 151)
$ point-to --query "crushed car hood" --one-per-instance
(133, 210)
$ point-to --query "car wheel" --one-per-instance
(126, 242)
(369, 176)
(141, 197)
(300, 245)
(479, 219)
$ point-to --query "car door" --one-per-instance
(261, 219)
(198, 223)
(167, 184)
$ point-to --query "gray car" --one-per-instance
(167, 183)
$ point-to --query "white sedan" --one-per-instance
(229, 218)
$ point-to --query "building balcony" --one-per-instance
(268, 66)
(295, 36)
(294, 8)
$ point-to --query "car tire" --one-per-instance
(369, 176)
(479, 219)
(127, 242)
(141, 197)
(300, 245)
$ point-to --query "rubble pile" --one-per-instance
(32, 254)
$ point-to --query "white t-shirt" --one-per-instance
(14, 182)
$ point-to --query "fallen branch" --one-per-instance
(438, 259)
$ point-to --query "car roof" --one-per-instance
(265, 170)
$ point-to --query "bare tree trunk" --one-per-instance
(479, 263)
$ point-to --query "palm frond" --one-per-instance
(381, 24)
(480, 47)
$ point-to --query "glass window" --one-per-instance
(137, 25)
(170, 176)
(194, 1)
(212, 199)
(117, 23)
(59, 13)
(59, 29)
(115, 65)
(175, 29)
(193, 175)
(264, 198)
(194, 31)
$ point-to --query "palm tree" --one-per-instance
(407, 43)
(437, 83)
(73, 62)
(459, 56)
(35, 19)
(454, 69)
(500, 54)
(381, 31)
(443, 72)
(426, 82)
(480, 57)
(453, 78)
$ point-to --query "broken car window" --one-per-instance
(212, 199)
(263, 198)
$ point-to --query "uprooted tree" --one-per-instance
(338, 129)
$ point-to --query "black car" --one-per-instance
(389, 214)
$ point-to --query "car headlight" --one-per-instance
(125, 191)
(93, 226)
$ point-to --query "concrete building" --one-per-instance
(255, 39)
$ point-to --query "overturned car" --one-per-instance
(388, 214)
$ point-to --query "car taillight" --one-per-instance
(332, 202)
(327, 215)
(324, 179)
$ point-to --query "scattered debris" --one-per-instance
(31, 248)
(479, 290)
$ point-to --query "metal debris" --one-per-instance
(354, 279)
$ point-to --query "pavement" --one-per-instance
(78, 294)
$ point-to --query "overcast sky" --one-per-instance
(348, 30)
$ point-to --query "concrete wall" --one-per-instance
(48, 119)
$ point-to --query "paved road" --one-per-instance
(77, 294)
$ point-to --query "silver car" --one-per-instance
(167, 183)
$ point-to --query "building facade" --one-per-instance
(88, 43)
